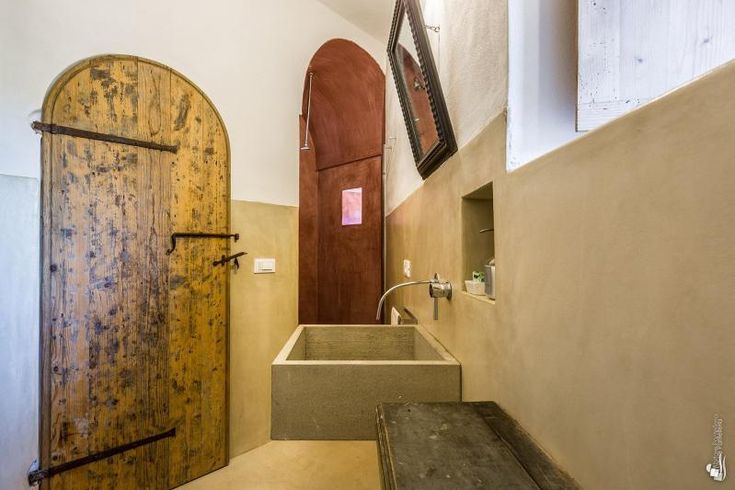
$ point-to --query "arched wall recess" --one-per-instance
(347, 103)
(340, 263)
(134, 341)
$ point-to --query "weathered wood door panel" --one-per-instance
(134, 341)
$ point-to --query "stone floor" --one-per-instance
(298, 465)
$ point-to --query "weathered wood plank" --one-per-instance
(198, 302)
(46, 325)
(154, 228)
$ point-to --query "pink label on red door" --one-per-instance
(352, 206)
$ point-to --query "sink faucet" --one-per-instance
(437, 289)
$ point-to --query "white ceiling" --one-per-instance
(372, 16)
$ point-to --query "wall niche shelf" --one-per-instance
(478, 234)
(481, 299)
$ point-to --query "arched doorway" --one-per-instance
(134, 328)
(341, 187)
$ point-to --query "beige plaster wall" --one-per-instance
(612, 337)
(263, 314)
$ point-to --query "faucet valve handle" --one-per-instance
(439, 288)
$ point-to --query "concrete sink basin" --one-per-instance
(328, 379)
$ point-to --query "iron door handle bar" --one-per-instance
(224, 259)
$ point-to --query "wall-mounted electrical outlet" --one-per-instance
(406, 267)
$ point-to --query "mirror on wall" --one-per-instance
(419, 90)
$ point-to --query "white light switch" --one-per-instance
(264, 266)
(406, 267)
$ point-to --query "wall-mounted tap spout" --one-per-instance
(437, 289)
(397, 286)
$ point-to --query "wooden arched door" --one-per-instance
(134, 339)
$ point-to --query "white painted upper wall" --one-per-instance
(542, 89)
(372, 16)
(471, 56)
(248, 56)
(631, 52)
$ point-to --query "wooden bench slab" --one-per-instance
(460, 445)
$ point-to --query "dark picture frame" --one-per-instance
(432, 141)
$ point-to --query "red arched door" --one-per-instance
(341, 187)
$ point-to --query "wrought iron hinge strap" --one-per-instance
(36, 476)
(111, 138)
